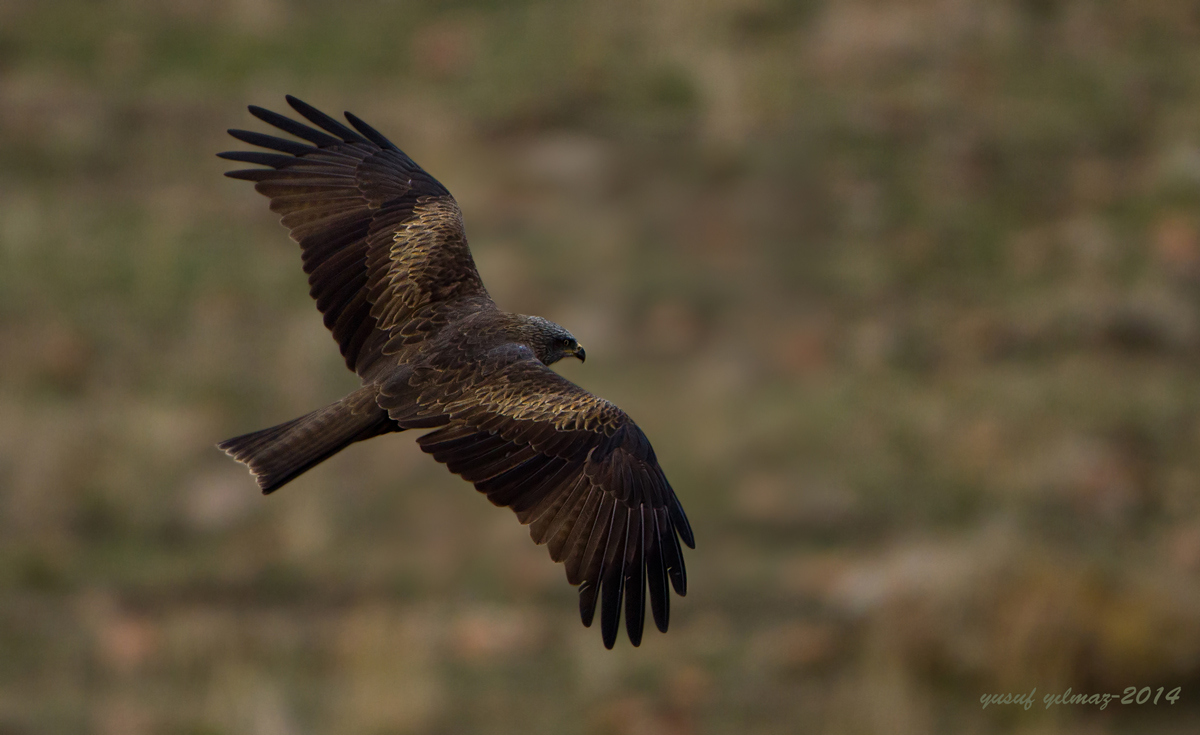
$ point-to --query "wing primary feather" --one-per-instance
(635, 577)
(674, 557)
(594, 559)
(303, 174)
(656, 573)
(250, 174)
(262, 140)
(613, 579)
(372, 134)
(680, 520)
(288, 125)
(580, 533)
(589, 595)
(587, 601)
(282, 185)
(274, 160)
(325, 122)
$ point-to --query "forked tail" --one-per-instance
(282, 453)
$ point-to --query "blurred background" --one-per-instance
(904, 293)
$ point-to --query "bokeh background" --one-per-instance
(905, 294)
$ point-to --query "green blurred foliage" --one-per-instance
(905, 294)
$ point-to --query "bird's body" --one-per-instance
(389, 267)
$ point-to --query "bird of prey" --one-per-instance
(387, 260)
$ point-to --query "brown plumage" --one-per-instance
(388, 264)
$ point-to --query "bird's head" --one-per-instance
(550, 342)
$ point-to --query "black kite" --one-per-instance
(388, 264)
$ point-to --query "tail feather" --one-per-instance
(282, 453)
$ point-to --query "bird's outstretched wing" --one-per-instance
(382, 241)
(573, 466)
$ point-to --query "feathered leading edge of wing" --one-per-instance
(583, 476)
(360, 210)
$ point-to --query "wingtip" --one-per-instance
(298, 104)
(369, 132)
(682, 525)
(587, 603)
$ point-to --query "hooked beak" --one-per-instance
(580, 353)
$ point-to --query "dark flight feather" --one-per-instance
(270, 141)
(325, 122)
(372, 134)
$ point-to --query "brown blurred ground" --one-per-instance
(905, 294)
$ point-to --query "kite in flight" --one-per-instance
(387, 261)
